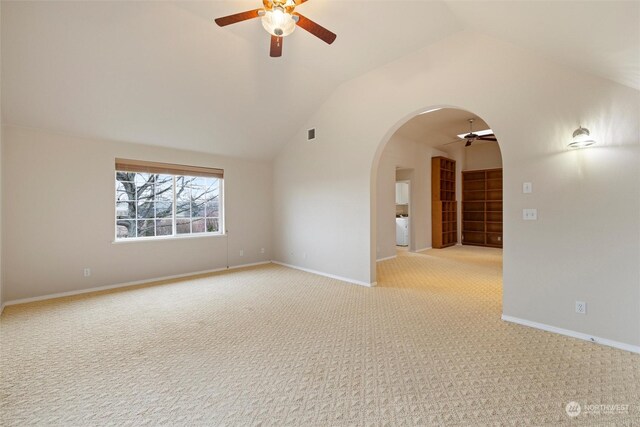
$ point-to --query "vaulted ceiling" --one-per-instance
(163, 73)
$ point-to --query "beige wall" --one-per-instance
(405, 153)
(586, 243)
(1, 281)
(59, 216)
(1, 195)
(482, 156)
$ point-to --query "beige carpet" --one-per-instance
(274, 346)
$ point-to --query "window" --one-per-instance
(160, 200)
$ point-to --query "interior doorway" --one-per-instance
(460, 204)
(403, 208)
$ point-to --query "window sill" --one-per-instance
(167, 238)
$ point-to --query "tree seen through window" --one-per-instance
(150, 205)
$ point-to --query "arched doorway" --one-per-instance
(471, 217)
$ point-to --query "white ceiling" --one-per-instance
(163, 73)
(438, 128)
(599, 37)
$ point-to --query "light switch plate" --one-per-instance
(527, 187)
(530, 214)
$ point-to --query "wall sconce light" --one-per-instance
(581, 138)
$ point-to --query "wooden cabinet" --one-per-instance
(482, 207)
(444, 217)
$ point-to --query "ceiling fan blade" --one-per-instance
(276, 46)
(487, 138)
(238, 17)
(315, 29)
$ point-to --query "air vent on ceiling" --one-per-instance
(311, 134)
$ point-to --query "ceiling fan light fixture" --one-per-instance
(278, 22)
(581, 138)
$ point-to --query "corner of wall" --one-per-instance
(1, 281)
(1, 195)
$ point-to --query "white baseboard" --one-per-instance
(424, 249)
(573, 334)
(386, 258)
(127, 284)
(331, 276)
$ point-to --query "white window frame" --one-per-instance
(221, 217)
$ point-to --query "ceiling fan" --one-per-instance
(280, 19)
(471, 137)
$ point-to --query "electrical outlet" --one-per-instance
(581, 307)
(241, 252)
(87, 272)
(530, 214)
(261, 250)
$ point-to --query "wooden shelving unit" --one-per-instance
(444, 217)
(482, 208)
